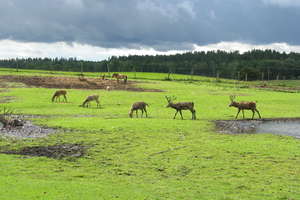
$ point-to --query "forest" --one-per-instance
(251, 65)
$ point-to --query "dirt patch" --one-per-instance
(279, 126)
(28, 130)
(56, 151)
(7, 99)
(279, 88)
(74, 83)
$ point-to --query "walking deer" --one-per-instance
(58, 94)
(120, 76)
(181, 106)
(241, 106)
(87, 101)
(138, 106)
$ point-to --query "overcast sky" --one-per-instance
(97, 29)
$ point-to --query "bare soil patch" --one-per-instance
(279, 88)
(74, 83)
(279, 126)
(7, 99)
(58, 151)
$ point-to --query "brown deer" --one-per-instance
(138, 106)
(241, 106)
(120, 76)
(181, 106)
(59, 93)
(87, 101)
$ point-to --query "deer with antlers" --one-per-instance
(138, 106)
(58, 94)
(90, 98)
(241, 106)
(181, 106)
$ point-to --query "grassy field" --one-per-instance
(157, 157)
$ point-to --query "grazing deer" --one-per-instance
(81, 77)
(138, 106)
(181, 106)
(59, 93)
(108, 88)
(120, 76)
(241, 106)
(87, 101)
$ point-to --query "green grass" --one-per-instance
(157, 157)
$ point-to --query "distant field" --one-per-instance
(157, 157)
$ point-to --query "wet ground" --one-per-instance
(28, 130)
(58, 151)
(279, 126)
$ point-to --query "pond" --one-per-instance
(280, 126)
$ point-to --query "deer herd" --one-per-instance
(179, 106)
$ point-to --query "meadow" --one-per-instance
(155, 157)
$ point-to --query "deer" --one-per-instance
(120, 76)
(90, 98)
(108, 88)
(241, 106)
(59, 93)
(181, 106)
(138, 106)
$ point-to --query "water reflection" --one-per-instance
(291, 128)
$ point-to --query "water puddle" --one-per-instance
(281, 126)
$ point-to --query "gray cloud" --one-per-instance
(161, 24)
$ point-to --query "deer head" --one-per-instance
(232, 97)
(170, 100)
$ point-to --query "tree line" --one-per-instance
(251, 65)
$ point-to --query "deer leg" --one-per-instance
(142, 112)
(258, 113)
(238, 114)
(175, 114)
(136, 113)
(65, 98)
(243, 114)
(180, 114)
(146, 112)
(98, 104)
(194, 114)
(253, 113)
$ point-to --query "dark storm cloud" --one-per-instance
(162, 24)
